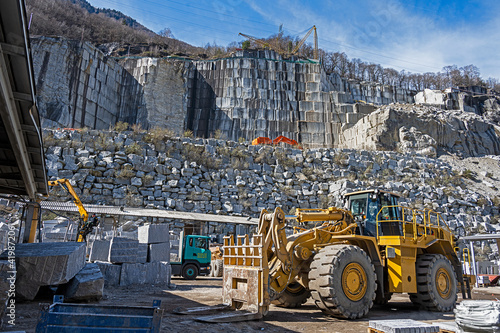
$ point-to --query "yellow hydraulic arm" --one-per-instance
(65, 184)
(263, 43)
(302, 41)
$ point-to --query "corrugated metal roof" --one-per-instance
(22, 163)
(144, 212)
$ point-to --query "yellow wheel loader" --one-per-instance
(347, 261)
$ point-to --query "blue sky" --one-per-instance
(415, 35)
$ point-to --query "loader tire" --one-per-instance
(342, 281)
(218, 268)
(293, 296)
(436, 283)
(212, 269)
(382, 299)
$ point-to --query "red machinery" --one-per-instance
(261, 140)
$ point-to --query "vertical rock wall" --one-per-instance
(77, 86)
(257, 93)
(165, 89)
(250, 94)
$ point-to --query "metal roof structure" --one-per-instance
(145, 212)
(480, 237)
(22, 163)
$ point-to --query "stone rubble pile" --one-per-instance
(220, 177)
(425, 130)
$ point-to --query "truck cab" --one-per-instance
(193, 257)
(369, 205)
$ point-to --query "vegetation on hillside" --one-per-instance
(357, 69)
(78, 20)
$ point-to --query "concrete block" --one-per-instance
(88, 284)
(110, 272)
(99, 250)
(153, 233)
(123, 250)
(46, 264)
(159, 252)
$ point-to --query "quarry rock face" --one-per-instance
(256, 93)
(77, 86)
(253, 94)
(165, 89)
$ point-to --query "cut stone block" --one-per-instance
(142, 253)
(403, 326)
(159, 252)
(123, 250)
(132, 274)
(46, 264)
(158, 272)
(154, 233)
(150, 273)
(110, 272)
(88, 284)
(165, 273)
(99, 251)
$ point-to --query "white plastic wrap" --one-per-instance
(478, 316)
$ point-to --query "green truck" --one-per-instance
(192, 258)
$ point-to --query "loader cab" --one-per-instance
(367, 206)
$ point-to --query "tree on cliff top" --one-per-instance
(77, 19)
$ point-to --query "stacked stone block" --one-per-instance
(125, 261)
(157, 238)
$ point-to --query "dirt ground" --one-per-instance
(207, 291)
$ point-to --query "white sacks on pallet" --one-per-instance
(478, 316)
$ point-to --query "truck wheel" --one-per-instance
(342, 281)
(436, 283)
(293, 296)
(218, 268)
(190, 272)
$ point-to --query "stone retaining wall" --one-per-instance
(220, 177)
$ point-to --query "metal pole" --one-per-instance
(474, 269)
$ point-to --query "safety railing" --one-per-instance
(466, 259)
(415, 223)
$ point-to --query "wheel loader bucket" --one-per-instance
(246, 274)
(245, 293)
